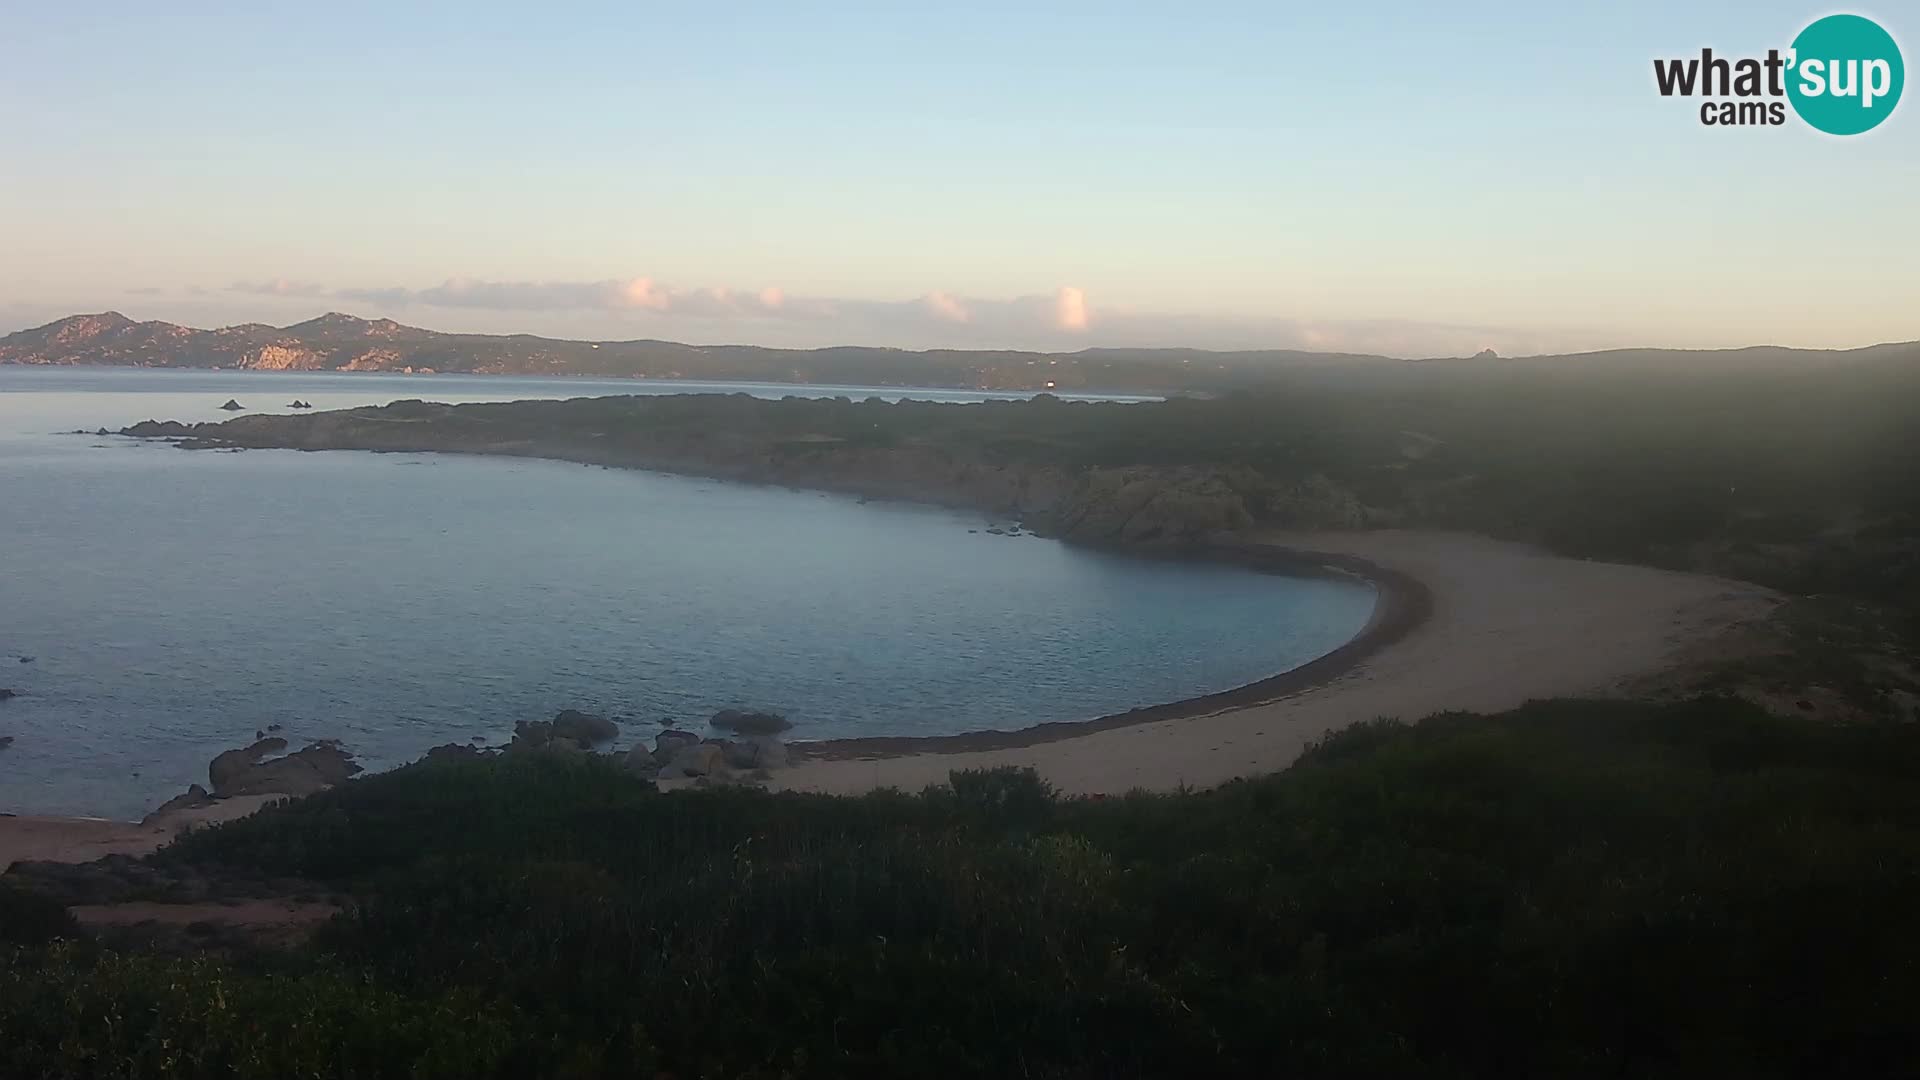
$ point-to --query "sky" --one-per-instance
(1399, 176)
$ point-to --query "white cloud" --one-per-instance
(1066, 318)
(1070, 309)
(989, 319)
(946, 306)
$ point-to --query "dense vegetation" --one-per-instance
(1571, 889)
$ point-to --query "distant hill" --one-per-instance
(337, 342)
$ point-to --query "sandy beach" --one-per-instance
(1466, 623)
(1507, 624)
(26, 838)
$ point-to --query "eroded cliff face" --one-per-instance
(374, 360)
(292, 357)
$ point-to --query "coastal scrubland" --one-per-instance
(1572, 889)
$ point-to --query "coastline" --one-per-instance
(1430, 645)
(1462, 623)
(1402, 604)
(1011, 392)
(42, 838)
(1503, 624)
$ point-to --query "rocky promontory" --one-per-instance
(1011, 460)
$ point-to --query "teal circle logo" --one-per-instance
(1845, 75)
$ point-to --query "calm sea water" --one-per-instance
(174, 602)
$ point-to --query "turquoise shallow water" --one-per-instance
(175, 602)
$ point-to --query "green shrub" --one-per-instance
(1568, 889)
(30, 919)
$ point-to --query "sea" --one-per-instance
(159, 606)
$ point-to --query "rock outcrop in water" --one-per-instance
(750, 723)
(670, 742)
(319, 766)
(583, 728)
(232, 406)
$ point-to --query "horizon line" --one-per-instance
(112, 312)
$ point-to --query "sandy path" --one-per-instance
(78, 840)
(1508, 624)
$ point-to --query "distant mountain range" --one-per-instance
(337, 342)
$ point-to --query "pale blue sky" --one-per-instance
(1407, 177)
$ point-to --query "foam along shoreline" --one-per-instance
(1464, 623)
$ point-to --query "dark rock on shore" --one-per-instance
(755, 752)
(542, 736)
(750, 723)
(316, 768)
(641, 760)
(700, 759)
(584, 728)
(668, 743)
(195, 798)
(453, 752)
(228, 767)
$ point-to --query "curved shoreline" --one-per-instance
(1464, 624)
(1403, 603)
(1491, 625)
(1504, 623)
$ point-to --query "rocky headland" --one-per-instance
(833, 445)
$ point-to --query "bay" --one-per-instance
(174, 602)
